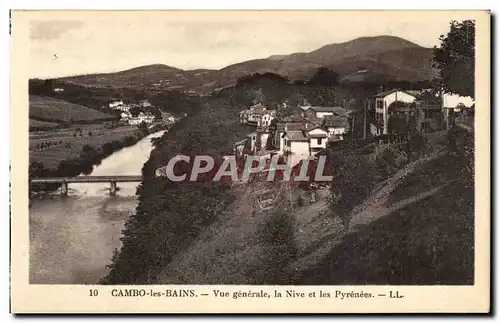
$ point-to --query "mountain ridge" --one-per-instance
(393, 57)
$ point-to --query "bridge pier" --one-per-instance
(64, 188)
(112, 190)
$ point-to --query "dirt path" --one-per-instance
(373, 207)
(317, 238)
(370, 215)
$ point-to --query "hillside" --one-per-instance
(59, 111)
(388, 57)
(148, 74)
(410, 225)
(41, 125)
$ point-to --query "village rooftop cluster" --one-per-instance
(304, 135)
(311, 129)
(142, 116)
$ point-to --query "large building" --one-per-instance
(257, 115)
(385, 101)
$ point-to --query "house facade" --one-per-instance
(336, 126)
(302, 142)
(282, 128)
(296, 146)
(429, 117)
(318, 138)
(115, 104)
(257, 115)
(147, 118)
(383, 103)
(124, 108)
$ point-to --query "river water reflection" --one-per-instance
(72, 239)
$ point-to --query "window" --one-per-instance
(320, 140)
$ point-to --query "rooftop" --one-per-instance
(297, 135)
(280, 126)
(335, 121)
(386, 93)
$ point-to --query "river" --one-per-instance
(72, 239)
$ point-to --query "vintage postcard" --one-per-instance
(250, 162)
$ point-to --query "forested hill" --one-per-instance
(170, 216)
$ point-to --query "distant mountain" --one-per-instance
(388, 57)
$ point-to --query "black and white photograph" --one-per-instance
(253, 148)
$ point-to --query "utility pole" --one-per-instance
(367, 102)
(352, 129)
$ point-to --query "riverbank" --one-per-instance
(73, 238)
(87, 157)
(170, 215)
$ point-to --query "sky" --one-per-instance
(74, 43)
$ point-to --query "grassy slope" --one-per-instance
(38, 124)
(428, 241)
(55, 110)
(425, 241)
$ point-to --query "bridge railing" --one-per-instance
(87, 179)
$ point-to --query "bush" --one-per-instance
(354, 178)
(276, 234)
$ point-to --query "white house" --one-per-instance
(303, 143)
(317, 139)
(283, 127)
(115, 104)
(257, 115)
(142, 117)
(296, 146)
(383, 102)
(336, 125)
(266, 119)
(453, 101)
(124, 108)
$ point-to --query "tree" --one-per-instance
(134, 111)
(35, 169)
(325, 80)
(455, 58)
